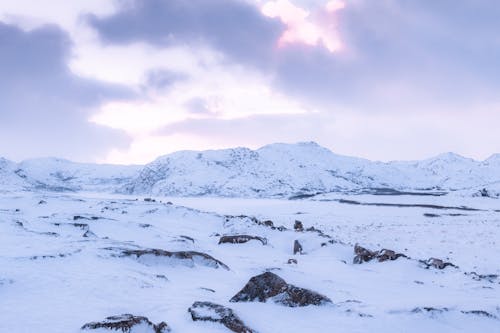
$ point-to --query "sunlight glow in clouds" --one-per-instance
(305, 28)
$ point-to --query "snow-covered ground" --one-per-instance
(64, 261)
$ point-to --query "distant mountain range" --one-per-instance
(276, 170)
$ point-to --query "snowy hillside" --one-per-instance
(55, 174)
(276, 170)
(80, 263)
(283, 170)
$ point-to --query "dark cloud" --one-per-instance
(161, 79)
(401, 54)
(398, 53)
(232, 26)
(44, 107)
(256, 129)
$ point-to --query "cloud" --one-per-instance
(233, 27)
(44, 107)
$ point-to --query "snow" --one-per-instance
(283, 170)
(65, 226)
(55, 280)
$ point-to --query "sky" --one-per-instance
(125, 81)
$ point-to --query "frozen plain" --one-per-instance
(53, 279)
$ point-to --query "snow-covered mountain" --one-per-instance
(276, 170)
(279, 170)
(56, 174)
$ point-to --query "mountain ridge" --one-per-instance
(274, 170)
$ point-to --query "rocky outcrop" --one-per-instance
(208, 311)
(128, 323)
(364, 255)
(240, 239)
(436, 263)
(269, 286)
(298, 226)
(187, 257)
(297, 247)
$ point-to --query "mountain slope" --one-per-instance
(276, 170)
(279, 170)
(55, 174)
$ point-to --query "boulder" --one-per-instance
(297, 247)
(364, 255)
(269, 286)
(239, 239)
(208, 311)
(436, 263)
(128, 323)
(189, 257)
(298, 226)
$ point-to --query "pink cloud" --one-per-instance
(304, 27)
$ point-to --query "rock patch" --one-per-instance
(364, 255)
(208, 311)
(269, 286)
(436, 263)
(240, 239)
(126, 323)
(191, 257)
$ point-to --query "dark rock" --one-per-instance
(270, 286)
(239, 239)
(298, 226)
(297, 248)
(89, 234)
(207, 311)
(429, 309)
(268, 223)
(364, 255)
(191, 239)
(149, 200)
(191, 256)
(292, 261)
(125, 323)
(436, 263)
(79, 217)
(478, 277)
(480, 313)
(384, 255)
(42, 202)
(431, 215)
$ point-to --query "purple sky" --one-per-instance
(126, 81)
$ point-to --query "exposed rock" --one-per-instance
(436, 263)
(364, 255)
(292, 261)
(384, 255)
(42, 202)
(89, 234)
(190, 256)
(270, 286)
(268, 223)
(478, 277)
(126, 322)
(298, 226)
(79, 217)
(239, 239)
(297, 247)
(207, 311)
(429, 309)
(191, 239)
(480, 313)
